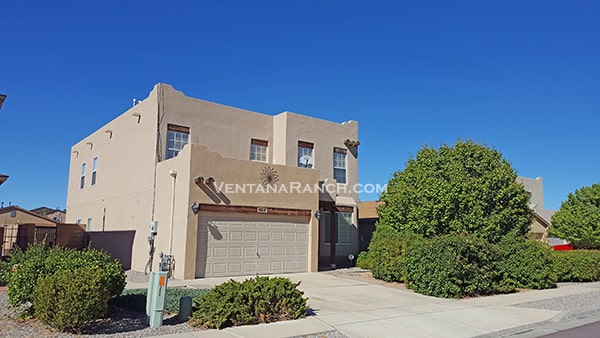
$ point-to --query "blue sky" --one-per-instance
(522, 77)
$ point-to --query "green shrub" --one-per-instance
(61, 258)
(253, 301)
(29, 265)
(454, 266)
(364, 260)
(69, 299)
(386, 250)
(38, 261)
(577, 265)
(527, 263)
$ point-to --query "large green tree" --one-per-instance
(578, 219)
(466, 188)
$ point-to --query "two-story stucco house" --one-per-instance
(234, 192)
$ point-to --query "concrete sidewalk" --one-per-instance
(346, 301)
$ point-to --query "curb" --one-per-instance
(564, 320)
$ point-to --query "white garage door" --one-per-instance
(234, 244)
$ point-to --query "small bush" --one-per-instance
(527, 263)
(577, 265)
(253, 301)
(363, 260)
(69, 299)
(454, 266)
(38, 261)
(385, 253)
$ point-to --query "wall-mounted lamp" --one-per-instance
(210, 180)
(318, 214)
(199, 179)
(195, 208)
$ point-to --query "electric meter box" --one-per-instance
(154, 227)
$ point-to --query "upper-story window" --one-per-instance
(82, 180)
(339, 165)
(94, 169)
(258, 150)
(305, 154)
(177, 137)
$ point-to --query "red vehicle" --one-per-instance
(563, 247)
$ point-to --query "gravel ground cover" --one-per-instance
(119, 322)
(565, 303)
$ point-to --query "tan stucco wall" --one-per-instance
(125, 197)
(197, 160)
(122, 197)
(226, 130)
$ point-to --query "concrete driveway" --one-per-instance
(346, 301)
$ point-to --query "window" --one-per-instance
(94, 168)
(258, 150)
(345, 229)
(82, 180)
(13, 213)
(88, 226)
(177, 137)
(339, 165)
(305, 154)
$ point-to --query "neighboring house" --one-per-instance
(12, 217)
(542, 217)
(54, 214)
(234, 192)
(539, 228)
(367, 217)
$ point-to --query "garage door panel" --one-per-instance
(249, 268)
(235, 252)
(264, 236)
(237, 244)
(277, 236)
(250, 236)
(235, 236)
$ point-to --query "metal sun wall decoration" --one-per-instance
(269, 177)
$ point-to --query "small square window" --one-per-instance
(258, 150)
(305, 154)
(177, 138)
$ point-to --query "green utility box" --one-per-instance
(155, 300)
